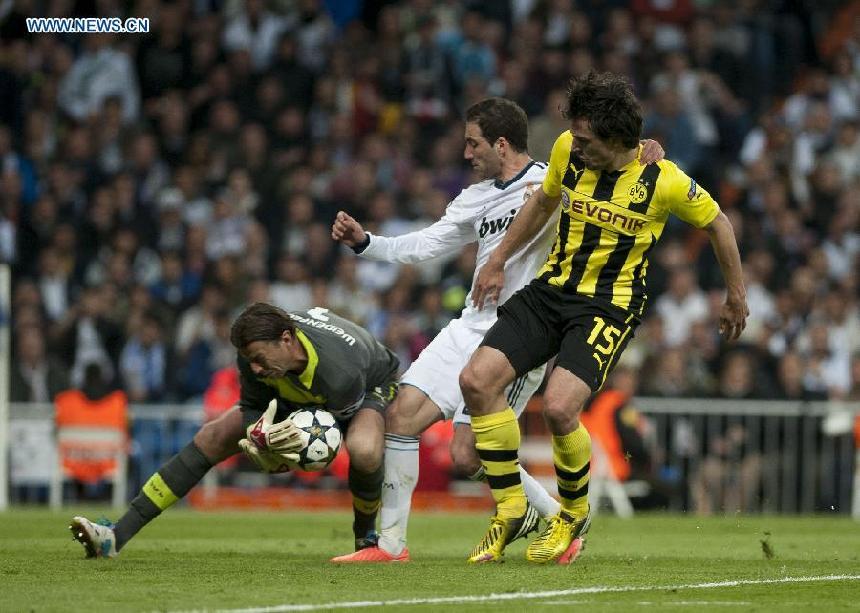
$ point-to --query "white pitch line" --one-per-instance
(531, 595)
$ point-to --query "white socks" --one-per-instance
(401, 477)
(539, 498)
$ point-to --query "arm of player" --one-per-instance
(528, 222)
(734, 312)
(347, 230)
(441, 238)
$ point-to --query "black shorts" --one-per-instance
(380, 397)
(540, 321)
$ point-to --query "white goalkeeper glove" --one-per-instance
(282, 437)
(269, 461)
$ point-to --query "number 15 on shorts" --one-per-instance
(607, 341)
(603, 338)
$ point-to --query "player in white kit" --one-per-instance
(496, 138)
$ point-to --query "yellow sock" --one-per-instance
(497, 439)
(571, 454)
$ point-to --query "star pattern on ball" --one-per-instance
(316, 431)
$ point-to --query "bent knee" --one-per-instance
(365, 458)
(219, 439)
(471, 383)
(561, 417)
(400, 420)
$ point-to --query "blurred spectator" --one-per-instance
(199, 321)
(681, 306)
(164, 57)
(545, 128)
(729, 476)
(842, 244)
(828, 361)
(99, 73)
(757, 277)
(667, 375)
(669, 125)
(292, 290)
(695, 99)
(176, 287)
(457, 279)
(54, 284)
(85, 336)
(315, 33)
(349, 297)
(205, 357)
(472, 57)
(253, 28)
(226, 232)
(846, 152)
(144, 362)
(35, 376)
(738, 376)
(149, 170)
(428, 73)
(124, 247)
(431, 316)
(790, 385)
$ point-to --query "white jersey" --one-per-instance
(482, 212)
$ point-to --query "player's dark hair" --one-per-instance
(607, 102)
(260, 322)
(499, 117)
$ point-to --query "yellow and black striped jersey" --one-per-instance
(610, 221)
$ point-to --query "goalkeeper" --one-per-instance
(307, 359)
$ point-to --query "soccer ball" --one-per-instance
(321, 438)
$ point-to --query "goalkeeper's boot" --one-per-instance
(557, 543)
(373, 554)
(98, 539)
(501, 532)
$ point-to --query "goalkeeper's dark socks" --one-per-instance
(366, 489)
(172, 481)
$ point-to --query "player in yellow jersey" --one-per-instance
(584, 304)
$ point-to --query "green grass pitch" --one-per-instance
(189, 560)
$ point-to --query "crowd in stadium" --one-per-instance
(152, 185)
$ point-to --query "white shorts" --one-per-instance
(436, 372)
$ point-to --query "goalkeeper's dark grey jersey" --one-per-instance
(345, 363)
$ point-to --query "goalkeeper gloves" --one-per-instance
(282, 437)
(268, 461)
(272, 447)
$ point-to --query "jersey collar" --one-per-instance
(306, 377)
(503, 185)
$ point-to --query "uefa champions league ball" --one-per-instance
(321, 438)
